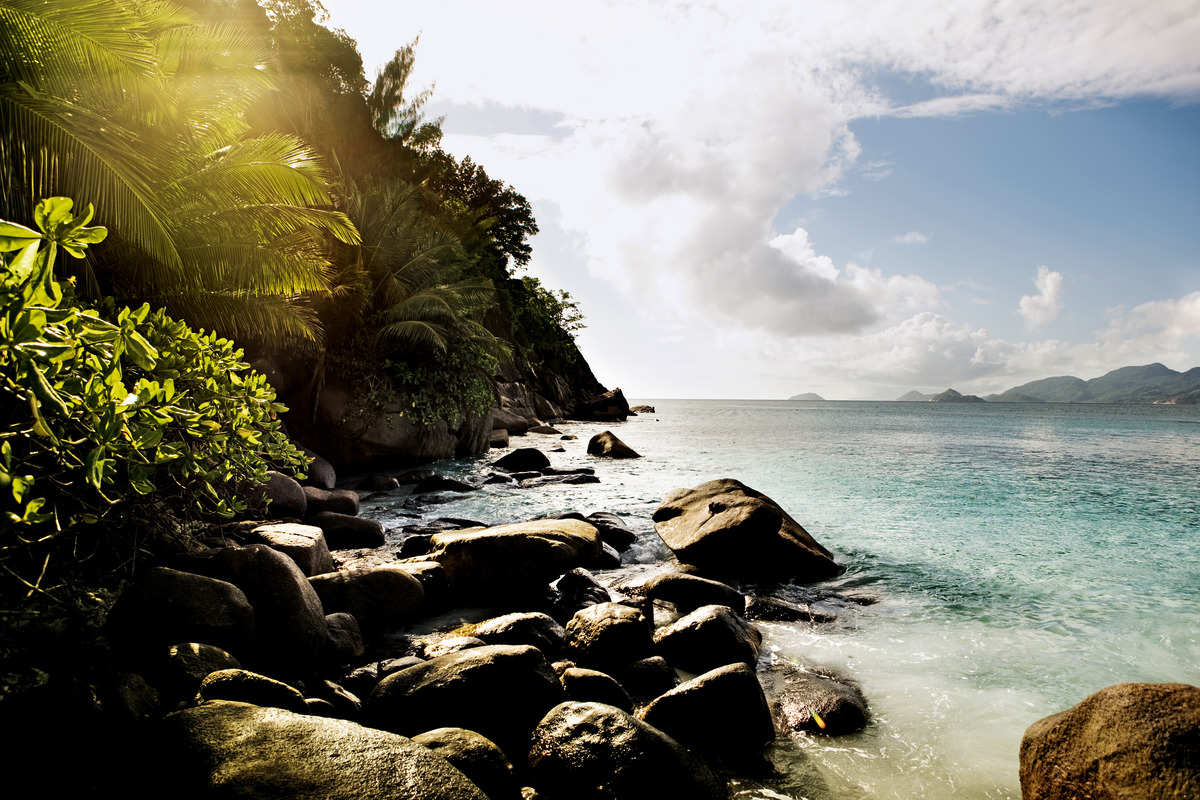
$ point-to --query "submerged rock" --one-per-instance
(724, 527)
(795, 694)
(1127, 740)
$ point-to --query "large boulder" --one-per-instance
(613, 530)
(290, 621)
(608, 407)
(284, 495)
(577, 590)
(532, 628)
(512, 562)
(1125, 741)
(499, 691)
(244, 686)
(722, 711)
(233, 750)
(723, 527)
(346, 532)
(320, 472)
(475, 756)
(609, 635)
(598, 752)
(340, 501)
(707, 638)
(593, 686)
(166, 606)
(379, 598)
(689, 592)
(606, 445)
(304, 544)
(177, 670)
(794, 694)
(523, 459)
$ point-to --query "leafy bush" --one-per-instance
(104, 410)
(449, 387)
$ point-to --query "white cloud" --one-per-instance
(1043, 307)
(912, 237)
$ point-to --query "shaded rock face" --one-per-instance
(167, 606)
(346, 532)
(180, 668)
(707, 638)
(217, 750)
(290, 621)
(339, 501)
(250, 687)
(577, 590)
(606, 445)
(723, 527)
(590, 751)
(499, 691)
(285, 495)
(593, 686)
(723, 710)
(511, 562)
(379, 598)
(1125, 741)
(794, 694)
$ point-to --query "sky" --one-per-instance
(856, 199)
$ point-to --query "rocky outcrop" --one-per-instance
(590, 750)
(724, 527)
(217, 750)
(1128, 740)
(607, 407)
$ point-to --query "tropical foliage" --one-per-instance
(102, 410)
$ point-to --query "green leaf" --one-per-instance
(22, 265)
(16, 237)
(46, 392)
(94, 466)
(141, 352)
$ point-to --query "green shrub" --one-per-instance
(103, 411)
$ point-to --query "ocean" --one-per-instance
(1020, 557)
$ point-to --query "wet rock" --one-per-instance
(440, 483)
(647, 678)
(415, 476)
(607, 445)
(577, 590)
(613, 530)
(795, 693)
(547, 430)
(1128, 740)
(345, 642)
(445, 645)
(557, 480)
(723, 527)
(642, 409)
(609, 635)
(775, 609)
(499, 691)
(722, 711)
(379, 482)
(216, 750)
(590, 750)
(707, 638)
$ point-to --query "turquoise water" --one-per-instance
(1022, 556)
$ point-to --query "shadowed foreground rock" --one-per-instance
(1129, 740)
(724, 527)
(234, 750)
(794, 694)
(590, 751)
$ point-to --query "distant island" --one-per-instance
(1152, 383)
(808, 397)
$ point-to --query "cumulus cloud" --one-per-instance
(912, 237)
(1043, 307)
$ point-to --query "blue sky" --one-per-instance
(850, 198)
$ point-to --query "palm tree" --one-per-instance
(138, 108)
